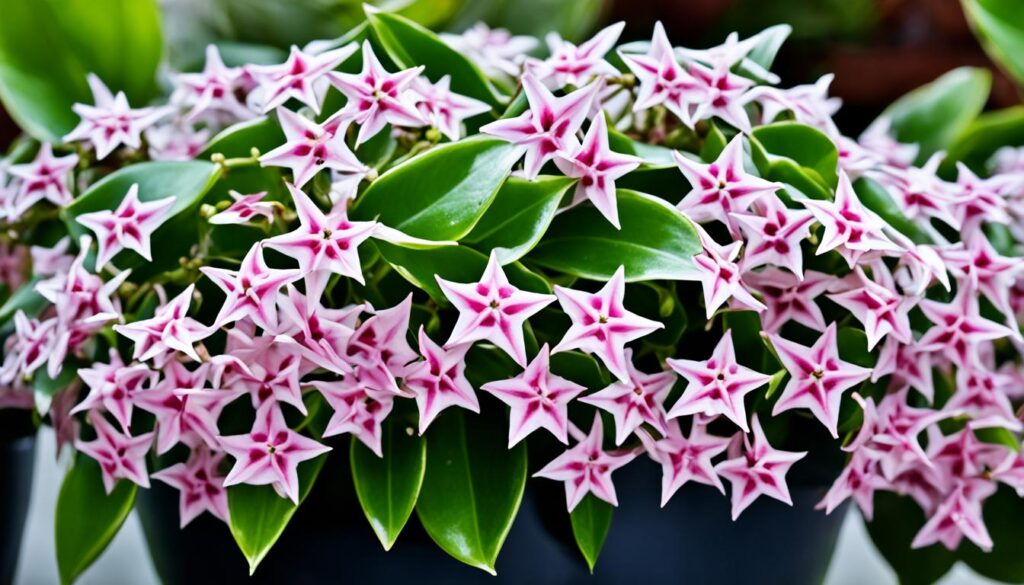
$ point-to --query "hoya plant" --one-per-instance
(462, 264)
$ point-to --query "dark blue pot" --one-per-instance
(691, 540)
(17, 460)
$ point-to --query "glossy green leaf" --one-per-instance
(934, 115)
(590, 523)
(259, 515)
(1000, 26)
(388, 486)
(86, 517)
(26, 299)
(441, 194)
(876, 198)
(985, 135)
(518, 217)
(769, 41)
(897, 520)
(238, 140)
(472, 488)
(574, 20)
(410, 45)
(653, 155)
(581, 368)
(47, 47)
(809, 147)
(655, 242)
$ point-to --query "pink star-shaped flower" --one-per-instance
(978, 201)
(549, 126)
(723, 94)
(492, 310)
(537, 399)
(569, 64)
(50, 261)
(906, 365)
(272, 376)
(120, 456)
(879, 308)
(636, 401)
(919, 192)
(112, 387)
(444, 109)
(321, 334)
(879, 140)
(959, 515)
(497, 52)
(270, 453)
(176, 140)
(201, 485)
(774, 236)
(377, 97)
(185, 414)
(818, 377)
(310, 148)
(170, 329)
(597, 166)
(587, 468)
(28, 348)
(686, 458)
(300, 77)
(111, 122)
(601, 325)
(252, 290)
(439, 381)
(729, 54)
(720, 276)
(986, 270)
(358, 409)
(850, 228)
(721, 188)
(212, 92)
(787, 298)
(810, 104)
(890, 433)
(759, 470)
(323, 243)
(980, 394)
(129, 226)
(380, 347)
(245, 208)
(859, 480)
(958, 328)
(46, 177)
(662, 80)
(716, 385)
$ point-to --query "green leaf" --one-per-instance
(388, 486)
(47, 47)
(934, 115)
(86, 517)
(1000, 27)
(768, 44)
(410, 45)
(985, 135)
(590, 523)
(518, 217)
(876, 198)
(809, 147)
(998, 436)
(656, 241)
(26, 299)
(454, 263)
(654, 156)
(259, 515)
(579, 367)
(896, 521)
(43, 384)
(1003, 563)
(441, 194)
(238, 140)
(472, 488)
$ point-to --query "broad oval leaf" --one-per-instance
(86, 517)
(238, 140)
(591, 520)
(472, 488)
(520, 214)
(999, 25)
(259, 515)
(808, 147)
(875, 197)
(983, 137)
(934, 115)
(410, 45)
(656, 241)
(47, 47)
(388, 486)
(441, 194)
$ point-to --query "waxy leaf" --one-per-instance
(47, 47)
(934, 115)
(876, 198)
(388, 486)
(986, 134)
(655, 242)
(441, 194)
(590, 523)
(259, 515)
(472, 488)
(769, 42)
(999, 25)
(808, 147)
(86, 518)
(518, 217)
(410, 45)
(238, 140)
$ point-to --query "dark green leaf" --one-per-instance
(441, 194)
(653, 155)
(876, 198)
(87, 518)
(808, 147)
(259, 515)
(26, 299)
(655, 242)
(1000, 26)
(518, 217)
(581, 368)
(472, 488)
(590, 523)
(388, 486)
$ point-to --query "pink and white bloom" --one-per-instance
(358, 409)
(169, 330)
(636, 401)
(537, 399)
(310, 148)
(215, 92)
(663, 81)
(270, 453)
(569, 64)
(601, 325)
(720, 276)
(129, 226)
(810, 104)
(120, 456)
(788, 298)
(271, 374)
(245, 208)
(774, 235)
(28, 349)
(587, 468)
(444, 109)
(879, 308)
(850, 228)
(439, 381)
(497, 52)
(859, 480)
(300, 77)
(112, 388)
(320, 334)
(380, 347)
(46, 177)
(958, 329)
(957, 516)
(759, 469)
(252, 290)
(686, 458)
(110, 122)
(981, 267)
(201, 485)
(722, 94)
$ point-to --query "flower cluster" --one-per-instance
(913, 327)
